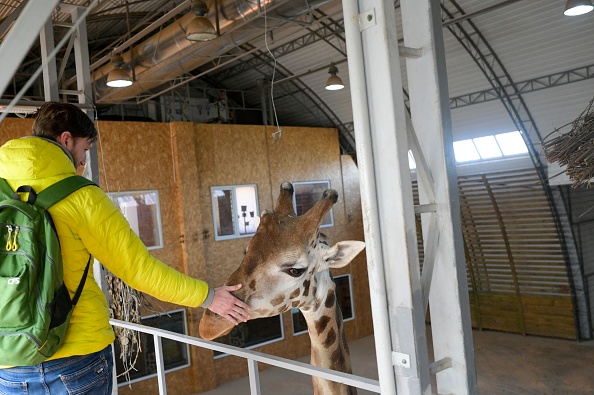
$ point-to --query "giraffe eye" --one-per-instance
(294, 272)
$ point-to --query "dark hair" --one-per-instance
(54, 118)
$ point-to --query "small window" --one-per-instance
(487, 147)
(344, 296)
(465, 151)
(235, 211)
(142, 210)
(511, 143)
(253, 333)
(307, 195)
(176, 355)
(490, 147)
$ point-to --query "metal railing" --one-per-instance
(253, 357)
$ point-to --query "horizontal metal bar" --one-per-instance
(296, 366)
(440, 365)
(425, 208)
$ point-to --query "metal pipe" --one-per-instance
(361, 121)
(168, 54)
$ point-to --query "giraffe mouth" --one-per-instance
(213, 325)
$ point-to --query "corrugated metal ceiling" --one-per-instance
(530, 41)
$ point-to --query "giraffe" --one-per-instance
(286, 266)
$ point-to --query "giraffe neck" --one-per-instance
(329, 348)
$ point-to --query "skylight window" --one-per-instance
(511, 143)
(487, 147)
(490, 147)
(465, 151)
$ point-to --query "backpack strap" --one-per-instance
(5, 189)
(82, 283)
(53, 194)
(58, 191)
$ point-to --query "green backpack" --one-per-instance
(35, 306)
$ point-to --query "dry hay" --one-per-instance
(574, 149)
(126, 304)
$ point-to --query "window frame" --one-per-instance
(187, 346)
(236, 225)
(159, 224)
(266, 342)
(330, 213)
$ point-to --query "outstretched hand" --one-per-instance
(228, 306)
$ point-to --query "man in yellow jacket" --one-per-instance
(87, 222)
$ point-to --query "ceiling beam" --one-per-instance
(531, 85)
(21, 36)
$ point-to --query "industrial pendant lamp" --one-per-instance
(200, 28)
(578, 7)
(334, 83)
(118, 77)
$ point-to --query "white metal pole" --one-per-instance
(373, 247)
(50, 73)
(254, 377)
(21, 36)
(388, 211)
(430, 110)
(160, 365)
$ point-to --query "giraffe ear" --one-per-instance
(342, 253)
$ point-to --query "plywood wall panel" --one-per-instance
(306, 154)
(183, 161)
(14, 128)
(136, 156)
(229, 155)
(187, 184)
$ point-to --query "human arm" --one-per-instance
(106, 234)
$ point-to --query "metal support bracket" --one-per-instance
(400, 359)
(440, 365)
(367, 19)
(425, 208)
(411, 53)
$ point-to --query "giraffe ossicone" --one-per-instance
(286, 266)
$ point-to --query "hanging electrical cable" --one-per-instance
(278, 134)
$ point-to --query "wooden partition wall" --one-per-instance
(183, 161)
(516, 269)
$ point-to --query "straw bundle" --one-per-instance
(574, 149)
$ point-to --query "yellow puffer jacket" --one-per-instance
(89, 223)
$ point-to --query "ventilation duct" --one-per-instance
(168, 54)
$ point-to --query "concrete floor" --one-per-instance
(505, 364)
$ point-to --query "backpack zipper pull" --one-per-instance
(9, 241)
(15, 246)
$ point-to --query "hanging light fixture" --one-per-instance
(118, 77)
(334, 83)
(577, 7)
(200, 28)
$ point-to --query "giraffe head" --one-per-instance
(284, 261)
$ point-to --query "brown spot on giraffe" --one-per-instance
(306, 284)
(295, 293)
(278, 300)
(330, 339)
(321, 324)
(330, 300)
(287, 264)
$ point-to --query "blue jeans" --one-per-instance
(85, 374)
